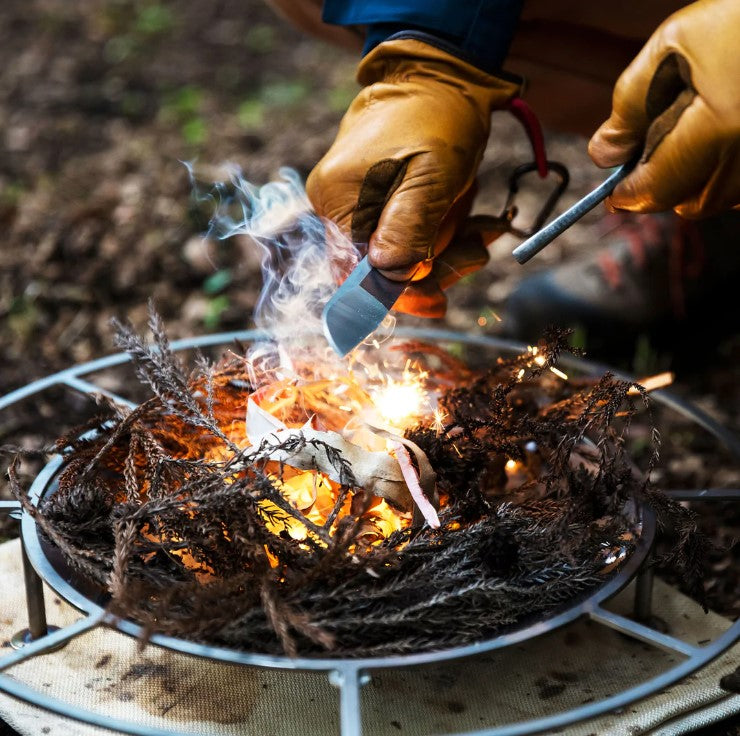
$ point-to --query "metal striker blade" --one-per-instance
(358, 306)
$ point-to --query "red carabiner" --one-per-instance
(526, 116)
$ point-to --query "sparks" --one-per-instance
(652, 383)
(559, 373)
(438, 417)
(399, 403)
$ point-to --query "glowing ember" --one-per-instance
(539, 360)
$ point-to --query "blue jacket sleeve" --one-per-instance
(479, 30)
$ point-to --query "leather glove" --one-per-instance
(679, 103)
(405, 156)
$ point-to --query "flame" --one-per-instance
(314, 495)
(342, 403)
(346, 404)
(295, 376)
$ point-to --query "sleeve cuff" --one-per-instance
(478, 31)
(490, 64)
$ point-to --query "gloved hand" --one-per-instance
(406, 153)
(679, 103)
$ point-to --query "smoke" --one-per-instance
(303, 258)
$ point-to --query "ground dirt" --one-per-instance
(101, 101)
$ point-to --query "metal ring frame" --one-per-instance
(349, 675)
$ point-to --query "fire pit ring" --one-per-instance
(77, 590)
(350, 674)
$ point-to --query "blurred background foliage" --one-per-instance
(100, 101)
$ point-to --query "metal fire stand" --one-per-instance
(349, 675)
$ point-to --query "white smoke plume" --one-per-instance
(303, 258)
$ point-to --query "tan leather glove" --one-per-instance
(407, 151)
(679, 103)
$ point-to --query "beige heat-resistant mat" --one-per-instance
(582, 663)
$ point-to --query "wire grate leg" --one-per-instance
(37, 625)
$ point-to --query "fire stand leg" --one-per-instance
(644, 594)
(34, 598)
(37, 626)
(349, 682)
